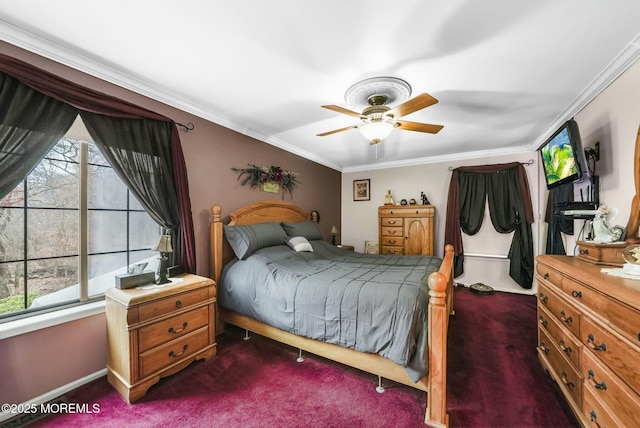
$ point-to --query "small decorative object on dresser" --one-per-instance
(406, 229)
(155, 332)
(589, 339)
(361, 190)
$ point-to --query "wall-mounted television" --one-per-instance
(563, 158)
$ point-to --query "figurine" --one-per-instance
(388, 200)
(315, 216)
(403, 202)
(412, 201)
(425, 201)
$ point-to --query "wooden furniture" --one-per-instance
(601, 253)
(347, 247)
(589, 339)
(153, 333)
(440, 306)
(406, 229)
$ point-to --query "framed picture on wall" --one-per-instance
(361, 190)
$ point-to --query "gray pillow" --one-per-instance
(248, 238)
(307, 229)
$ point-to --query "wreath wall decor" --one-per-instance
(268, 178)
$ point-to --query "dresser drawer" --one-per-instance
(607, 388)
(157, 308)
(564, 340)
(565, 312)
(624, 318)
(391, 250)
(172, 352)
(392, 240)
(386, 231)
(618, 354)
(549, 274)
(391, 221)
(570, 379)
(596, 413)
(172, 328)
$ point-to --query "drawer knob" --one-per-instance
(584, 252)
(566, 349)
(566, 381)
(543, 298)
(576, 294)
(174, 355)
(593, 417)
(184, 325)
(596, 385)
(591, 340)
(178, 304)
(544, 348)
(546, 275)
(565, 319)
(542, 321)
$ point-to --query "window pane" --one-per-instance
(103, 269)
(53, 281)
(107, 231)
(11, 234)
(52, 233)
(11, 287)
(15, 198)
(143, 232)
(54, 181)
(106, 190)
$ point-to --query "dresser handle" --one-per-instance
(543, 298)
(542, 321)
(174, 355)
(593, 416)
(544, 348)
(584, 252)
(546, 275)
(565, 319)
(178, 304)
(184, 325)
(566, 381)
(566, 349)
(391, 241)
(576, 294)
(596, 385)
(392, 222)
(591, 339)
(392, 232)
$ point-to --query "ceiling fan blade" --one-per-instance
(346, 128)
(414, 104)
(343, 110)
(420, 127)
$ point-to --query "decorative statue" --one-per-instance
(315, 216)
(602, 230)
(425, 201)
(388, 200)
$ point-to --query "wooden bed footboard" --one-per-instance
(440, 307)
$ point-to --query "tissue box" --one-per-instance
(130, 280)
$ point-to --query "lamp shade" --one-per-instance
(334, 230)
(164, 244)
(376, 131)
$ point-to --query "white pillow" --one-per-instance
(299, 243)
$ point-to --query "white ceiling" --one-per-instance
(506, 73)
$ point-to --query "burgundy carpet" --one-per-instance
(495, 380)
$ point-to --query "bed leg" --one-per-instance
(246, 335)
(300, 357)
(380, 388)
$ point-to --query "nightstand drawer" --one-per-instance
(157, 308)
(172, 352)
(172, 328)
(391, 231)
(390, 221)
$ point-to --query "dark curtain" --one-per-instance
(90, 101)
(139, 150)
(558, 224)
(30, 125)
(506, 190)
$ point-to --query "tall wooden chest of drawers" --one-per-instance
(589, 339)
(153, 333)
(406, 229)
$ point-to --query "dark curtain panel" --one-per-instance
(30, 125)
(506, 189)
(88, 100)
(139, 150)
(558, 224)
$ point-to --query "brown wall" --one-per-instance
(210, 152)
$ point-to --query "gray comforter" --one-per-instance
(371, 303)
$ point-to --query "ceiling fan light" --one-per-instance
(376, 130)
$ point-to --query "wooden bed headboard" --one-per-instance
(260, 212)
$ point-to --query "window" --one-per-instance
(67, 230)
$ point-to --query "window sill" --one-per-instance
(50, 319)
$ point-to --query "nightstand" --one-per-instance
(156, 332)
(346, 247)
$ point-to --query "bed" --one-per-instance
(299, 290)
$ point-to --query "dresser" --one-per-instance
(589, 339)
(406, 229)
(156, 332)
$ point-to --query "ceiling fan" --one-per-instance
(378, 117)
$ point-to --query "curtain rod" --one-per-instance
(529, 162)
(188, 127)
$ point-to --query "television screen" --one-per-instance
(562, 156)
